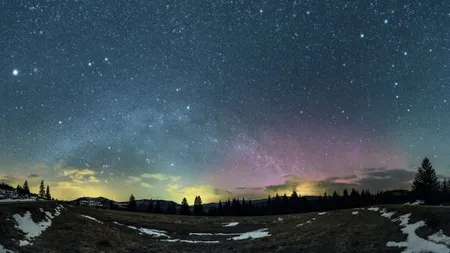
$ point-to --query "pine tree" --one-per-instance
(26, 188)
(426, 184)
(354, 199)
(184, 209)
(42, 190)
(132, 206)
(198, 206)
(19, 190)
(294, 202)
(47, 193)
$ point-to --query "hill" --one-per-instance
(49, 227)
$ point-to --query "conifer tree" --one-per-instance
(42, 190)
(198, 206)
(426, 184)
(294, 202)
(184, 209)
(132, 206)
(48, 196)
(26, 188)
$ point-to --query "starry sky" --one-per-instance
(166, 99)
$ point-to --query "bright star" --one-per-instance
(15, 72)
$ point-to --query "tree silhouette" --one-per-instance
(48, 196)
(184, 209)
(4, 186)
(294, 202)
(355, 200)
(42, 190)
(198, 206)
(26, 188)
(426, 184)
(132, 206)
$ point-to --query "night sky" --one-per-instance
(166, 99)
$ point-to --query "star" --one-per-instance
(15, 72)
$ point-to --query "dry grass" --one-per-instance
(337, 231)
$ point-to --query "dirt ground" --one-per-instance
(337, 231)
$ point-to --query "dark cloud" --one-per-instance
(349, 177)
(372, 169)
(372, 179)
(223, 193)
(250, 188)
(33, 176)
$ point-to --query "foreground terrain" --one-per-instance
(51, 227)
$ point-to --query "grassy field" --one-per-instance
(337, 231)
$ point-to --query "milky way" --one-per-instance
(221, 94)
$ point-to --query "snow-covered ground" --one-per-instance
(436, 243)
(439, 237)
(415, 203)
(322, 213)
(413, 242)
(91, 218)
(32, 229)
(13, 196)
(17, 200)
(188, 241)
(252, 234)
(225, 234)
(355, 212)
(152, 232)
(231, 224)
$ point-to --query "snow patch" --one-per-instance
(280, 219)
(376, 209)
(203, 234)
(29, 227)
(252, 234)
(49, 214)
(299, 225)
(91, 218)
(387, 214)
(231, 224)
(415, 203)
(322, 213)
(413, 242)
(188, 241)
(17, 200)
(149, 231)
(355, 213)
(117, 223)
(440, 237)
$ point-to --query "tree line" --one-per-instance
(426, 186)
(24, 190)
